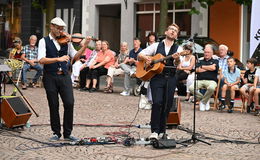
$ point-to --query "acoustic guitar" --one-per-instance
(146, 72)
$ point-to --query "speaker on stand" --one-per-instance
(14, 112)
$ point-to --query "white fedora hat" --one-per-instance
(58, 21)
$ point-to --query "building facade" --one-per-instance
(121, 20)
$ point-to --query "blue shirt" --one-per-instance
(222, 62)
(232, 77)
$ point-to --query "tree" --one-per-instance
(48, 7)
(163, 16)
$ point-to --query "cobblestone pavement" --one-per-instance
(101, 108)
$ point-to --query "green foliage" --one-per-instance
(36, 4)
(206, 3)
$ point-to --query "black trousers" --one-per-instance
(59, 85)
(95, 73)
(163, 88)
(83, 77)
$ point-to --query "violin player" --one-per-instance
(56, 80)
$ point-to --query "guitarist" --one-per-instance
(163, 85)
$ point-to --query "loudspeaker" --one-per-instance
(14, 112)
(174, 117)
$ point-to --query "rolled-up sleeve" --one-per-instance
(71, 50)
(41, 49)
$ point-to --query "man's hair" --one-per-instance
(211, 47)
(32, 36)
(231, 58)
(136, 38)
(224, 46)
(252, 61)
(175, 25)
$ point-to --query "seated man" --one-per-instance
(29, 55)
(207, 72)
(231, 81)
(129, 67)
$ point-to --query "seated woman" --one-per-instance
(185, 69)
(115, 70)
(85, 67)
(15, 62)
(105, 58)
(77, 66)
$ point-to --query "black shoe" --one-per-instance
(230, 109)
(252, 106)
(221, 107)
(92, 90)
(248, 109)
(84, 89)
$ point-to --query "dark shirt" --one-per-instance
(208, 75)
(133, 54)
(250, 76)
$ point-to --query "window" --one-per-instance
(148, 17)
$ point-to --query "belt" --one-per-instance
(59, 72)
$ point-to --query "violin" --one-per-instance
(64, 38)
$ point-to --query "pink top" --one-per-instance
(101, 57)
(87, 53)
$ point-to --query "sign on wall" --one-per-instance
(255, 30)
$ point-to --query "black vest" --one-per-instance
(52, 52)
(169, 62)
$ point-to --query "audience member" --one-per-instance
(152, 38)
(231, 80)
(30, 55)
(207, 77)
(78, 65)
(115, 70)
(247, 90)
(85, 67)
(15, 62)
(185, 69)
(257, 91)
(105, 58)
(129, 66)
(223, 56)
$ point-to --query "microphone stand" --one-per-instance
(194, 137)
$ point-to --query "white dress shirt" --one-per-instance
(42, 48)
(151, 50)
